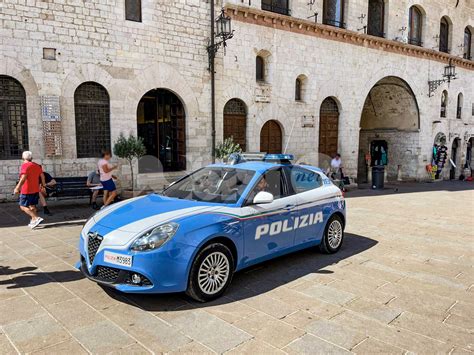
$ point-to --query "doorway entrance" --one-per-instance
(161, 124)
(235, 122)
(328, 127)
(271, 137)
(454, 153)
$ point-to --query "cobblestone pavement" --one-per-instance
(403, 282)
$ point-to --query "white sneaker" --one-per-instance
(35, 223)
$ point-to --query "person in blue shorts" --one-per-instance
(107, 178)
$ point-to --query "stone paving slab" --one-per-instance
(402, 283)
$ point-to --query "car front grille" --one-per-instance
(107, 274)
(93, 243)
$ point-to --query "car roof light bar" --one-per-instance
(237, 158)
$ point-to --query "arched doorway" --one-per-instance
(271, 137)
(92, 116)
(13, 124)
(235, 122)
(328, 127)
(390, 115)
(455, 158)
(161, 124)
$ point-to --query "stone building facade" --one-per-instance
(319, 85)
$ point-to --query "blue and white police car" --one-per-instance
(211, 223)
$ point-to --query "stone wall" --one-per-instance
(167, 49)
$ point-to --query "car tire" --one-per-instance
(211, 273)
(333, 235)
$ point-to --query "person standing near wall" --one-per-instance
(93, 181)
(106, 177)
(29, 189)
(49, 188)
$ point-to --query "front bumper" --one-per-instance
(161, 271)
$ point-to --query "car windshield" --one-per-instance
(212, 184)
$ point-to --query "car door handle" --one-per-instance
(289, 207)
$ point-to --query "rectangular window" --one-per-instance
(278, 6)
(133, 10)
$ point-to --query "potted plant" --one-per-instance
(226, 148)
(130, 148)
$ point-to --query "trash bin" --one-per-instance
(378, 176)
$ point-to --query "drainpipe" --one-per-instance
(213, 88)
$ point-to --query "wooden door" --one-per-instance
(328, 127)
(271, 137)
(235, 122)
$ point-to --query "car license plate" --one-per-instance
(117, 259)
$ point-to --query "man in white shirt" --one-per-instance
(336, 162)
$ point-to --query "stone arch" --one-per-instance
(389, 129)
(13, 68)
(163, 76)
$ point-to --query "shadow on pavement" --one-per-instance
(365, 190)
(28, 278)
(66, 212)
(255, 280)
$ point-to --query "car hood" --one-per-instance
(140, 214)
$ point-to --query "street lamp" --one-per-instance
(224, 32)
(448, 75)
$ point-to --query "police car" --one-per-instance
(211, 223)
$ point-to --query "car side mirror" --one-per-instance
(263, 197)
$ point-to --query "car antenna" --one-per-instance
(289, 138)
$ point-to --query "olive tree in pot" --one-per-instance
(226, 148)
(130, 148)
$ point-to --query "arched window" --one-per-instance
(444, 103)
(13, 125)
(444, 35)
(467, 44)
(235, 122)
(298, 89)
(260, 68)
(333, 13)
(376, 18)
(415, 26)
(459, 106)
(92, 113)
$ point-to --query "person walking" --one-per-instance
(28, 188)
(106, 177)
(49, 187)
(93, 181)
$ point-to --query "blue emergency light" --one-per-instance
(237, 158)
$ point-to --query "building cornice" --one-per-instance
(305, 27)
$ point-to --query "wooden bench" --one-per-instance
(70, 188)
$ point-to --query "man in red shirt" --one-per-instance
(28, 188)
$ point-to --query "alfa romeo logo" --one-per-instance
(94, 235)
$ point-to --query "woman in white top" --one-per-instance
(106, 177)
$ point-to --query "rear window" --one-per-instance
(304, 180)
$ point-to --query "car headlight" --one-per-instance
(155, 237)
